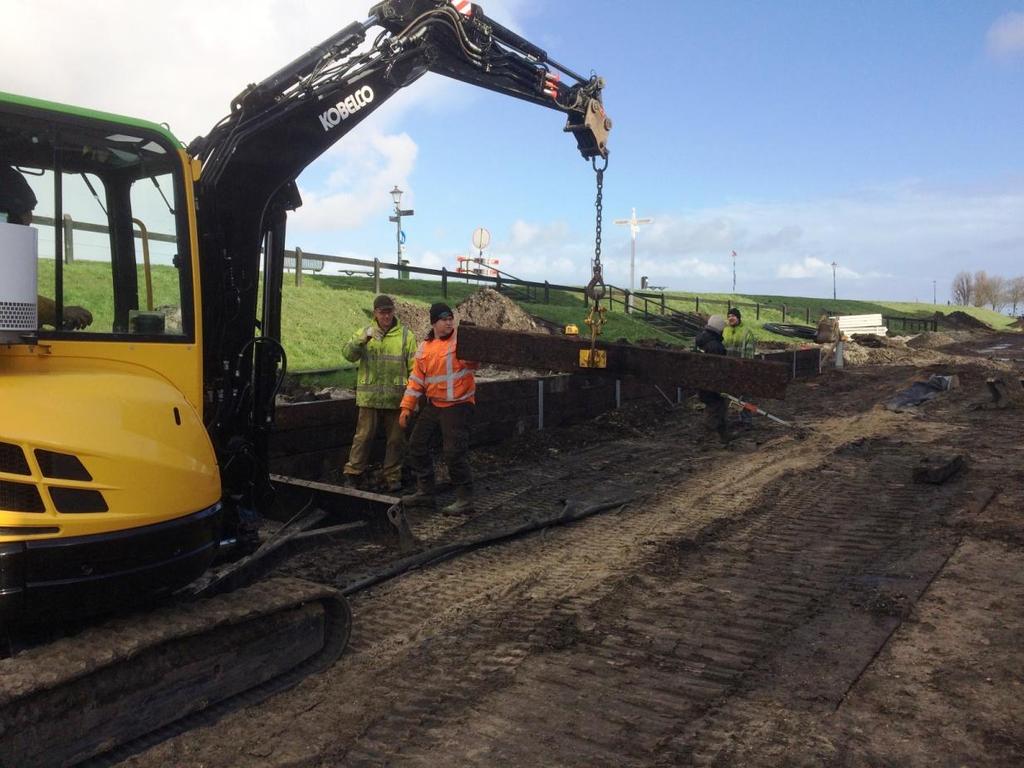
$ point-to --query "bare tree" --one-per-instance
(982, 291)
(997, 293)
(963, 288)
(1015, 292)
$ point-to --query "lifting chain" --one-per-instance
(596, 288)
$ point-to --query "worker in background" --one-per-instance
(384, 349)
(737, 338)
(17, 201)
(716, 407)
(450, 389)
(739, 342)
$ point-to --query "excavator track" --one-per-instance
(69, 701)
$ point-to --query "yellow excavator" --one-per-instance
(134, 423)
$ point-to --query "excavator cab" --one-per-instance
(109, 487)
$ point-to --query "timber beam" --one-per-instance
(693, 370)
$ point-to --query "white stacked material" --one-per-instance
(851, 325)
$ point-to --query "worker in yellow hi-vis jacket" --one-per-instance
(385, 350)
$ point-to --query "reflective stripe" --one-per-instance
(417, 379)
(449, 358)
(449, 377)
(391, 358)
(412, 393)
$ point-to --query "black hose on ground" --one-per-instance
(792, 329)
(571, 513)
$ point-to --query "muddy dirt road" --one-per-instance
(787, 601)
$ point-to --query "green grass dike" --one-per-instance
(318, 316)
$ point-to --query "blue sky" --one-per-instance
(884, 136)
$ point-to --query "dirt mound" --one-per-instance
(962, 321)
(1018, 323)
(486, 308)
(932, 340)
(414, 317)
(490, 309)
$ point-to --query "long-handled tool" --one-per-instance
(744, 405)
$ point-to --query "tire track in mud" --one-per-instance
(613, 675)
(597, 643)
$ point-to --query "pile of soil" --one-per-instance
(490, 309)
(933, 340)
(1018, 323)
(486, 308)
(414, 317)
(962, 321)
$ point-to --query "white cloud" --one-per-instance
(1005, 38)
(807, 267)
(182, 63)
(360, 170)
(887, 241)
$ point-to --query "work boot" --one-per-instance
(424, 496)
(355, 481)
(463, 503)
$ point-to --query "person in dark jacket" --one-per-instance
(709, 341)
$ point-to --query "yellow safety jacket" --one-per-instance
(738, 341)
(384, 365)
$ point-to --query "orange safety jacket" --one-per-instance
(438, 372)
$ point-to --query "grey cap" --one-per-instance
(716, 323)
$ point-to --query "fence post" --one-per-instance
(757, 316)
(444, 282)
(783, 313)
(807, 312)
(629, 302)
(376, 275)
(547, 292)
(540, 404)
(497, 284)
(663, 303)
(69, 239)
(696, 304)
(298, 266)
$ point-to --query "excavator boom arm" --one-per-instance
(277, 127)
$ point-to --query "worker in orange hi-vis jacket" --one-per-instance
(450, 389)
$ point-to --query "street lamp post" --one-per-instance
(834, 265)
(934, 296)
(396, 196)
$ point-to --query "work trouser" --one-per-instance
(716, 408)
(362, 442)
(453, 422)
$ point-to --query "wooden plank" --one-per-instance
(561, 353)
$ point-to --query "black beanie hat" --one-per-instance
(383, 302)
(735, 311)
(438, 309)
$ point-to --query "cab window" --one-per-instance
(110, 213)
